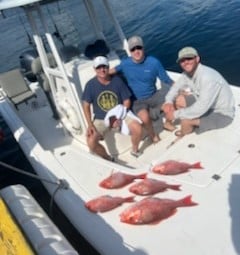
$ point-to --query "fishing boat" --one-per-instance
(47, 121)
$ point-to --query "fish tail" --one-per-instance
(129, 199)
(197, 165)
(142, 176)
(175, 187)
(187, 201)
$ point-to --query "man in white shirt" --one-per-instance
(201, 98)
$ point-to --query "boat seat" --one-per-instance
(15, 87)
(98, 48)
(37, 70)
(69, 52)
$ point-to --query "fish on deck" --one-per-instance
(119, 180)
(106, 203)
(151, 186)
(152, 210)
(172, 167)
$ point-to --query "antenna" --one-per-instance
(30, 42)
(56, 33)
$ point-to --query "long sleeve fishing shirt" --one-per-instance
(210, 89)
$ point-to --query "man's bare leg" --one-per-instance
(96, 147)
(136, 134)
(147, 122)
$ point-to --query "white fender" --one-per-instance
(71, 114)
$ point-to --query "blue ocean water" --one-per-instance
(212, 26)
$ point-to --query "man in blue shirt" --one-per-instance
(141, 72)
(104, 92)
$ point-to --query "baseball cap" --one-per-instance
(135, 41)
(100, 61)
(187, 52)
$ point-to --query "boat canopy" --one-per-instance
(6, 4)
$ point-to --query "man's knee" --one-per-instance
(135, 128)
(144, 116)
(93, 141)
(180, 102)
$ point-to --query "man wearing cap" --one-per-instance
(201, 98)
(104, 92)
(141, 72)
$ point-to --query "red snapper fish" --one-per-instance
(151, 186)
(118, 180)
(152, 210)
(171, 167)
(106, 203)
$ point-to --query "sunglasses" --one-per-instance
(136, 48)
(101, 66)
(186, 59)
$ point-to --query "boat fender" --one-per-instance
(71, 114)
(42, 234)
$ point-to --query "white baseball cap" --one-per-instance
(99, 61)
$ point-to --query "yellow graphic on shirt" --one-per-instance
(107, 100)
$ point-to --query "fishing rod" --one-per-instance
(30, 42)
(56, 33)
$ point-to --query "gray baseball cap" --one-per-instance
(187, 52)
(135, 41)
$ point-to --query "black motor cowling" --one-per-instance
(26, 59)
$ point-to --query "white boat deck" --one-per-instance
(200, 230)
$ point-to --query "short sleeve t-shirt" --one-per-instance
(105, 97)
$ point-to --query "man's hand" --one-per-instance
(167, 107)
(92, 132)
(117, 123)
(170, 115)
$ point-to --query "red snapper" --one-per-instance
(152, 210)
(151, 186)
(106, 203)
(118, 180)
(172, 167)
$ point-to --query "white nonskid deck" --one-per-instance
(206, 229)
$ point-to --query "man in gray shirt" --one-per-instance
(201, 98)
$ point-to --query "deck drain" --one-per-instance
(216, 177)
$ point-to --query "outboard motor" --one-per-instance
(26, 60)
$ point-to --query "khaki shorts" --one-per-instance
(102, 129)
(100, 126)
